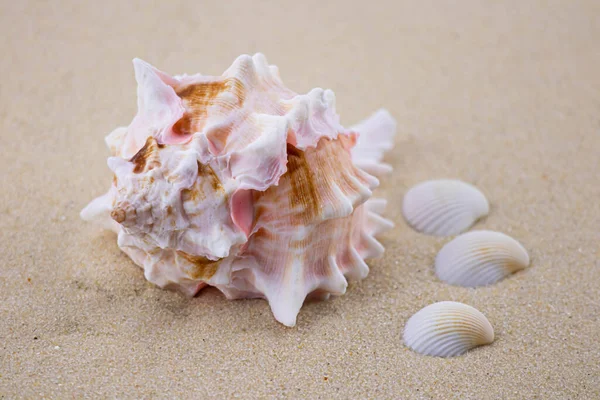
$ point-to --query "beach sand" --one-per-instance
(504, 95)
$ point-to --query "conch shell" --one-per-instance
(237, 182)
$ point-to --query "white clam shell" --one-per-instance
(447, 329)
(480, 258)
(444, 207)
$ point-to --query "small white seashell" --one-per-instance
(480, 258)
(444, 207)
(447, 329)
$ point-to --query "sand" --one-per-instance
(504, 95)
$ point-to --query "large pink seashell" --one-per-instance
(237, 182)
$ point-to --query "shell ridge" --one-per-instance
(480, 258)
(443, 207)
(424, 216)
(455, 212)
(447, 329)
(445, 225)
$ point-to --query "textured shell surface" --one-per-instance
(447, 329)
(443, 207)
(480, 258)
(237, 182)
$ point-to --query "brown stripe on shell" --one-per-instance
(203, 268)
(147, 157)
(196, 192)
(197, 97)
(307, 189)
(333, 165)
(303, 193)
(206, 172)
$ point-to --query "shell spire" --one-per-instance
(237, 182)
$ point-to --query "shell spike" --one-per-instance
(375, 137)
(377, 224)
(358, 268)
(159, 108)
(140, 67)
(334, 281)
(98, 211)
(285, 308)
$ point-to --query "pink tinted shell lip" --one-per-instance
(242, 210)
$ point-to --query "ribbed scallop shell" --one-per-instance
(447, 329)
(444, 207)
(480, 258)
